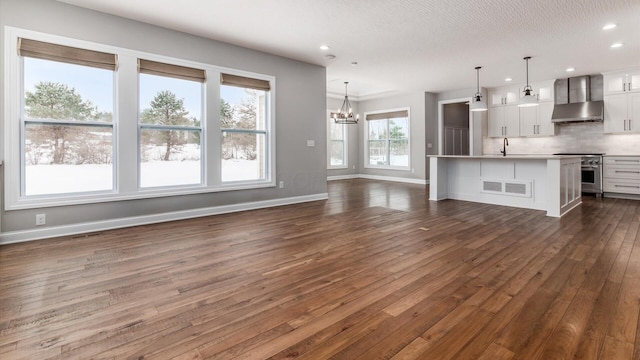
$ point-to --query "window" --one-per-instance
(170, 119)
(387, 135)
(243, 123)
(66, 119)
(336, 145)
(91, 123)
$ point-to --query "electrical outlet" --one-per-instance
(281, 184)
(41, 219)
(311, 143)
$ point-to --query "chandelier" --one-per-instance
(345, 114)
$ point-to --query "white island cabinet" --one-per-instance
(541, 182)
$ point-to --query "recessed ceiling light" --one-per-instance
(609, 26)
(616, 45)
(330, 57)
(324, 47)
(508, 79)
(571, 69)
(354, 63)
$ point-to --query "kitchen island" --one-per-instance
(542, 182)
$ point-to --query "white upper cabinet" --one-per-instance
(621, 82)
(506, 119)
(536, 120)
(504, 96)
(503, 121)
(543, 90)
(622, 113)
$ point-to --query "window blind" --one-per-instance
(67, 54)
(245, 82)
(170, 70)
(388, 115)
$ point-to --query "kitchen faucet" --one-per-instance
(505, 143)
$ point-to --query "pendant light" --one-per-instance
(345, 114)
(478, 104)
(528, 99)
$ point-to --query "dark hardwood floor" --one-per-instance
(375, 272)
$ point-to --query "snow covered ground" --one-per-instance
(60, 179)
(184, 168)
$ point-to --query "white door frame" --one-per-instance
(441, 124)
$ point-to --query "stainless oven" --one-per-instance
(591, 172)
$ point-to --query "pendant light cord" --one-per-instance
(526, 58)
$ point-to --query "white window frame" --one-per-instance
(201, 129)
(366, 141)
(125, 125)
(269, 140)
(345, 144)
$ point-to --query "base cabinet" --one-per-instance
(621, 175)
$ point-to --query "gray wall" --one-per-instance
(300, 107)
(431, 127)
(416, 103)
(354, 138)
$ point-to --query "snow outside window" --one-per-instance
(336, 145)
(170, 118)
(387, 144)
(243, 123)
(96, 123)
(66, 128)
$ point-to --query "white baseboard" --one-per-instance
(379, 177)
(73, 229)
(393, 178)
(342, 177)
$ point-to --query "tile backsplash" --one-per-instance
(585, 137)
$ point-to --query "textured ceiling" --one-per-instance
(410, 45)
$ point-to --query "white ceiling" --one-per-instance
(412, 45)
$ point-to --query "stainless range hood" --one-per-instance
(578, 99)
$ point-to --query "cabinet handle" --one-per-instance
(621, 160)
(624, 86)
(627, 171)
(628, 186)
(629, 124)
(625, 124)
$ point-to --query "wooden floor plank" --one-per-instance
(377, 271)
